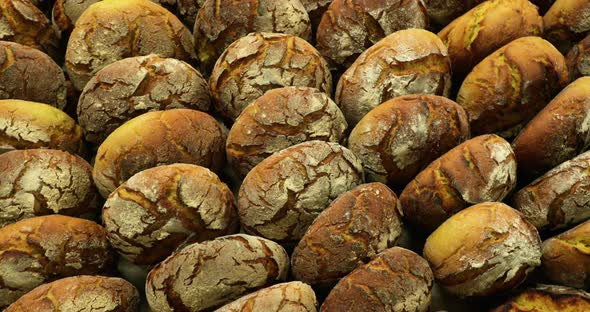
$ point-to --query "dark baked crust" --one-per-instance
(578, 59)
(547, 298)
(567, 22)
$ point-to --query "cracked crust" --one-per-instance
(80, 293)
(547, 298)
(161, 209)
(28, 125)
(41, 249)
(260, 62)
(511, 85)
(175, 136)
(411, 61)
(42, 181)
(479, 170)
(350, 27)
(354, 228)
(284, 297)
(111, 30)
(558, 133)
(284, 193)
(207, 275)
(567, 22)
(578, 59)
(400, 137)
(221, 22)
(483, 250)
(21, 65)
(133, 86)
(486, 28)
(281, 118)
(396, 280)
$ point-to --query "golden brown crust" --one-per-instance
(567, 22)
(511, 85)
(284, 297)
(400, 137)
(578, 59)
(547, 298)
(80, 293)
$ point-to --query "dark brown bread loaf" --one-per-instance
(547, 298)
(350, 27)
(132, 86)
(486, 28)
(483, 250)
(479, 170)
(578, 59)
(174, 136)
(411, 61)
(80, 293)
(559, 198)
(567, 22)
(511, 85)
(221, 22)
(260, 62)
(396, 280)
(41, 249)
(207, 275)
(558, 133)
(161, 209)
(400, 137)
(20, 65)
(281, 118)
(284, 297)
(111, 30)
(354, 228)
(43, 181)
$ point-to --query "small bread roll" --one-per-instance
(567, 22)
(578, 59)
(547, 298)
(284, 297)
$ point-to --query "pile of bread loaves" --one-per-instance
(294, 155)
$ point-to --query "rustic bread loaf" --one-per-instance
(354, 228)
(41, 249)
(410, 61)
(281, 118)
(567, 22)
(511, 85)
(483, 250)
(558, 133)
(80, 293)
(207, 275)
(547, 298)
(400, 137)
(486, 28)
(396, 280)
(260, 62)
(578, 59)
(132, 86)
(284, 297)
(111, 30)
(284, 193)
(479, 170)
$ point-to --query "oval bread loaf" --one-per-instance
(547, 298)
(284, 297)
(578, 59)
(567, 22)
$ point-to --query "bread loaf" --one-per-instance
(511, 85)
(260, 62)
(281, 118)
(207, 275)
(567, 22)
(284, 297)
(547, 298)
(479, 170)
(284, 193)
(400, 137)
(578, 59)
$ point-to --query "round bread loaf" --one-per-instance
(41, 249)
(559, 198)
(27, 125)
(20, 65)
(42, 181)
(556, 134)
(161, 209)
(354, 228)
(444, 12)
(284, 193)
(578, 59)
(396, 280)
(281, 118)
(259, 62)
(66, 13)
(221, 22)
(511, 85)
(483, 250)
(400, 137)
(174, 136)
(207, 275)
(80, 293)
(111, 30)
(486, 28)
(547, 298)
(567, 22)
(284, 297)
(130, 87)
(411, 61)
(479, 170)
